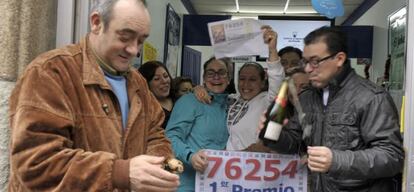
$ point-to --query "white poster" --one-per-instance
(233, 38)
(292, 32)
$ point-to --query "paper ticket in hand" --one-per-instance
(241, 37)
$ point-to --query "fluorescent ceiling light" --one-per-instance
(257, 12)
(234, 17)
(237, 6)
(286, 6)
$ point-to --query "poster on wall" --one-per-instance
(172, 40)
(397, 24)
(149, 52)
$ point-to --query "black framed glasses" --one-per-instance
(314, 63)
(220, 73)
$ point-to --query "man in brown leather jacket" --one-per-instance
(81, 120)
(351, 129)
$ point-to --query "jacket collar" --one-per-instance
(108, 69)
(340, 79)
(218, 97)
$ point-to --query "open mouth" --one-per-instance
(217, 84)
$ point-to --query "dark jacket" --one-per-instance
(360, 125)
(66, 125)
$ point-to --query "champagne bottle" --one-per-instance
(275, 115)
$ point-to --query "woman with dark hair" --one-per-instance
(181, 86)
(257, 90)
(159, 82)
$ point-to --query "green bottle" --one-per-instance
(275, 115)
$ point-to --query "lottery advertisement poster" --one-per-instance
(236, 171)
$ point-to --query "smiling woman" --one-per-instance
(159, 82)
(255, 96)
(215, 76)
(195, 126)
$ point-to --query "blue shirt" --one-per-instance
(194, 126)
(119, 87)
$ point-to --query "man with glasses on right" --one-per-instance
(351, 129)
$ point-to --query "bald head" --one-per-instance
(118, 40)
(105, 8)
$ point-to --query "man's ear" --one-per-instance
(96, 23)
(341, 58)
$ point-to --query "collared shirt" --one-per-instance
(325, 96)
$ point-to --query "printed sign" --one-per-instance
(236, 171)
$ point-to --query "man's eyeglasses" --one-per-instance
(314, 63)
(211, 73)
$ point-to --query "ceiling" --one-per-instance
(266, 7)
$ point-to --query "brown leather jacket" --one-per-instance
(66, 125)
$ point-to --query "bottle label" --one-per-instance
(273, 131)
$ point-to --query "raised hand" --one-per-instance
(270, 38)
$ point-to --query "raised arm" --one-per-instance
(275, 70)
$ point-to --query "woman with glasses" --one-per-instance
(195, 126)
(256, 91)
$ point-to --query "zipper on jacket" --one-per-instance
(324, 110)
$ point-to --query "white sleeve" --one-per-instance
(276, 74)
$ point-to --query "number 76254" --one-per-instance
(234, 171)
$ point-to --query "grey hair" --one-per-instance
(105, 7)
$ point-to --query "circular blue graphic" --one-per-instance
(329, 8)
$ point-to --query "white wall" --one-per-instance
(409, 104)
(157, 9)
(377, 16)
(64, 22)
(359, 69)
